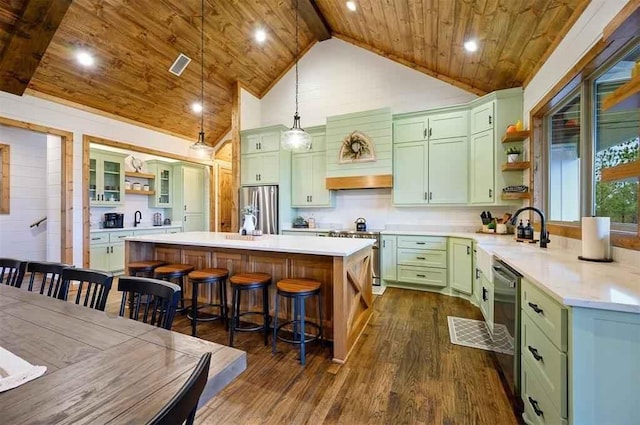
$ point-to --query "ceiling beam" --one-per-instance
(29, 40)
(314, 19)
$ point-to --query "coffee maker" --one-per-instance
(113, 221)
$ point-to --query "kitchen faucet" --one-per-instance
(544, 235)
(137, 218)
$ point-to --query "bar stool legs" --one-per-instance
(245, 282)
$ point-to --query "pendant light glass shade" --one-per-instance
(200, 149)
(296, 139)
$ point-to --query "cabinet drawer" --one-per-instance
(547, 362)
(533, 394)
(119, 236)
(422, 257)
(422, 275)
(423, 242)
(547, 313)
(98, 238)
(149, 232)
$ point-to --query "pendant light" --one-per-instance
(200, 149)
(296, 139)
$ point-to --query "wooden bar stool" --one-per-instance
(144, 268)
(208, 277)
(246, 282)
(174, 273)
(298, 290)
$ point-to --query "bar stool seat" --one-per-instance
(171, 272)
(208, 277)
(298, 289)
(245, 282)
(143, 267)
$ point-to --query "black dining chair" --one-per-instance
(182, 407)
(151, 300)
(93, 287)
(45, 277)
(12, 271)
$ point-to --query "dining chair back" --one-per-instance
(12, 271)
(93, 287)
(45, 277)
(182, 407)
(151, 300)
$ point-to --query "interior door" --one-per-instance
(225, 194)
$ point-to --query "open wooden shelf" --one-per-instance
(629, 93)
(516, 166)
(139, 175)
(515, 195)
(139, 192)
(515, 136)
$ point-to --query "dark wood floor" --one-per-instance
(403, 370)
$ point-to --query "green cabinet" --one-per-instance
(410, 175)
(448, 124)
(261, 157)
(486, 300)
(410, 129)
(260, 141)
(106, 250)
(190, 197)
(106, 178)
(162, 184)
(388, 259)
(482, 117)
(308, 173)
(448, 171)
(461, 271)
(482, 168)
(262, 168)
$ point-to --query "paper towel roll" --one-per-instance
(596, 238)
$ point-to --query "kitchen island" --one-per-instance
(343, 266)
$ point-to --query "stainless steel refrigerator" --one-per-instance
(265, 200)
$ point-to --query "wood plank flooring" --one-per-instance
(404, 370)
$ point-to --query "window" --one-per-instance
(563, 127)
(582, 139)
(615, 143)
(4, 179)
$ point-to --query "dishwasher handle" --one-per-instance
(507, 279)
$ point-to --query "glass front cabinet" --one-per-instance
(163, 184)
(106, 178)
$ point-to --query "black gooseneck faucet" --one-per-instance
(544, 235)
(137, 218)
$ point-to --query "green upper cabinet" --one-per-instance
(461, 271)
(388, 261)
(106, 178)
(448, 171)
(262, 140)
(410, 129)
(482, 168)
(482, 117)
(448, 124)
(162, 184)
(259, 169)
(308, 172)
(410, 175)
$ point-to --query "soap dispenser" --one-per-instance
(528, 231)
(520, 231)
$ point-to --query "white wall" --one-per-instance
(54, 197)
(28, 195)
(249, 111)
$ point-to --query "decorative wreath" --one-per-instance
(357, 147)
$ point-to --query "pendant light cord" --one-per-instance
(297, 53)
(202, 70)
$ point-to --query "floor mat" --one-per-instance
(475, 334)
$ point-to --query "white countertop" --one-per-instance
(572, 282)
(335, 247)
(169, 226)
(307, 229)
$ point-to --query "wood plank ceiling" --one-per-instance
(136, 41)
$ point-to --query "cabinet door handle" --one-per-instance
(490, 193)
(420, 258)
(185, 218)
(384, 244)
(260, 177)
(484, 294)
(535, 353)
(112, 250)
(536, 308)
(430, 196)
(430, 131)
(424, 133)
(535, 406)
(256, 145)
(477, 273)
(468, 250)
(420, 275)
(490, 120)
(426, 196)
(311, 198)
(107, 250)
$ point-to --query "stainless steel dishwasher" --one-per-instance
(506, 312)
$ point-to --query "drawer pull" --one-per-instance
(420, 258)
(535, 353)
(420, 275)
(420, 243)
(484, 294)
(536, 308)
(95, 239)
(535, 406)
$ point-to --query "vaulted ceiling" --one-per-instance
(136, 41)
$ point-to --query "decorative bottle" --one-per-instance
(520, 231)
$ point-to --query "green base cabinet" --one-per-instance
(388, 261)
(461, 274)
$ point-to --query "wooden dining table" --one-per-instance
(101, 368)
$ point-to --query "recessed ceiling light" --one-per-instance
(351, 5)
(471, 45)
(85, 58)
(261, 35)
(196, 107)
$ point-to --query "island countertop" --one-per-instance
(335, 247)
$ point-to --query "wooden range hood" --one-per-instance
(359, 182)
